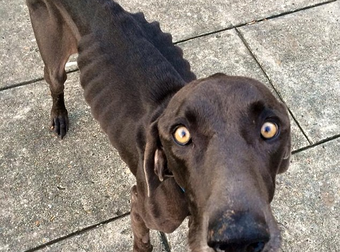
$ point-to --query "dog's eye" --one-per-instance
(269, 130)
(182, 135)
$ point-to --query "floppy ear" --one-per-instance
(155, 164)
(286, 158)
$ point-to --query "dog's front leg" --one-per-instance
(141, 242)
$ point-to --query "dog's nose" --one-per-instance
(238, 232)
(226, 247)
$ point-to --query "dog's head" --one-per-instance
(223, 139)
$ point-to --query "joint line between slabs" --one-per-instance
(79, 232)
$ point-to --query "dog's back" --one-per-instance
(127, 65)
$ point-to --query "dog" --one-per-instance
(209, 148)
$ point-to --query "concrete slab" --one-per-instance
(49, 187)
(306, 204)
(114, 236)
(18, 49)
(20, 60)
(188, 18)
(225, 52)
(300, 53)
(221, 52)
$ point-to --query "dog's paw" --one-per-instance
(59, 123)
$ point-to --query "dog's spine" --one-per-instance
(153, 33)
(134, 45)
(163, 42)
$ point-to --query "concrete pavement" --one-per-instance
(73, 195)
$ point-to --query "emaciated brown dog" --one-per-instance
(208, 149)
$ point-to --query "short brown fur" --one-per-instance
(140, 89)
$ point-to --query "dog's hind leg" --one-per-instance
(56, 43)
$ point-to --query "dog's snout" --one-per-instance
(238, 232)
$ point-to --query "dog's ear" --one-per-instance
(160, 164)
(286, 158)
(155, 164)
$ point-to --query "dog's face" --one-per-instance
(224, 139)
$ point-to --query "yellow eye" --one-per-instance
(269, 130)
(182, 135)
